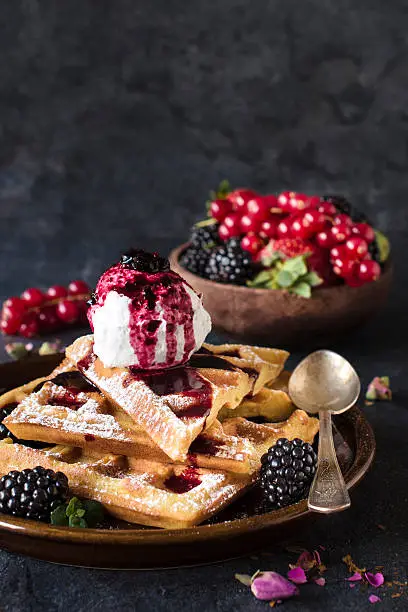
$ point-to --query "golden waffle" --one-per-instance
(151, 493)
(88, 420)
(272, 403)
(175, 406)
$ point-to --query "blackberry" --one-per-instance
(142, 261)
(205, 238)
(374, 252)
(346, 208)
(6, 433)
(229, 263)
(287, 472)
(195, 260)
(32, 494)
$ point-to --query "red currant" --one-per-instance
(345, 268)
(33, 297)
(354, 281)
(284, 228)
(239, 199)
(258, 208)
(78, 287)
(314, 220)
(56, 291)
(13, 306)
(298, 228)
(298, 202)
(342, 220)
(314, 202)
(365, 231)
(357, 247)
(219, 209)
(328, 209)
(340, 233)
(250, 224)
(369, 271)
(339, 252)
(252, 243)
(48, 320)
(10, 325)
(324, 239)
(269, 228)
(29, 327)
(67, 311)
(271, 200)
(283, 200)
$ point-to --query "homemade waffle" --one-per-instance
(88, 420)
(271, 403)
(174, 407)
(151, 493)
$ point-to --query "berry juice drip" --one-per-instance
(183, 381)
(184, 482)
(86, 362)
(205, 446)
(208, 360)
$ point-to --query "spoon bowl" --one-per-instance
(325, 383)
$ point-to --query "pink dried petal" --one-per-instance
(374, 599)
(376, 580)
(297, 575)
(352, 585)
(306, 560)
(317, 558)
(271, 586)
(355, 577)
(321, 581)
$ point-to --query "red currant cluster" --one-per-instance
(35, 312)
(257, 219)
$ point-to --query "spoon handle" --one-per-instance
(328, 492)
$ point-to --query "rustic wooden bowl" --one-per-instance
(277, 317)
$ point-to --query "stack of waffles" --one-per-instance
(166, 449)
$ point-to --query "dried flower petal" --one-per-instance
(306, 560)
(379, 389)
(376, 580)
(352, 585)
(271, 586)
(297, 575)
(244, 579)
(351, 566)
(374, 599)
(50, 348)
(18, 350)
(320, 581)
(355, 577)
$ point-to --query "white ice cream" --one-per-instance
(111, 331)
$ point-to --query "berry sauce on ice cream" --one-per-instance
(146, 316)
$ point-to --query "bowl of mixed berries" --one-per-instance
(290, 266)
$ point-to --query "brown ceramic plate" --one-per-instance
(237, 531)
(254, 315)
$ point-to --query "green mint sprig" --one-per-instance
(78, 513)
(291, 275)
(383, 244)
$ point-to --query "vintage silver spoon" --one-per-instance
(325, 383)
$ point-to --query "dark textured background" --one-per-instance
(115, 120)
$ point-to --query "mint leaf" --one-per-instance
(383, 245)
(261, 278)
(296, 266)
(59, 516)
(205, 222)
(302, 289)
(312, 279)
(94, 512)
(73, 505)
(80, 513)
(76, 521)
(285, 278)
(224, 188)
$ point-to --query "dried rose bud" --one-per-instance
(272, 586)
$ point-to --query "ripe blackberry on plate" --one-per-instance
(203, 240)
(205, 237)
(229, 263)
(32, 494)
(287, 471)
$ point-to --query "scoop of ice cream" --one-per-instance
(145, 315)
